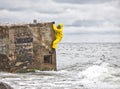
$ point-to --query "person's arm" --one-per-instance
(55, 28)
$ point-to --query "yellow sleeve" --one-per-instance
(55, 28)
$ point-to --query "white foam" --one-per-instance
(96, 73)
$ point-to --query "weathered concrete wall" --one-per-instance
(26, 47)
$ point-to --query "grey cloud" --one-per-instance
(39, 6)
(12, 9)
(84, 19)
(118, 3)
(95, 23)
(87, 23)
(10, 20)
(95, 33)
(83, 1)
(116, 22)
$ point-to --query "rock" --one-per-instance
(5, 86)
(18, 63)
(25, 67)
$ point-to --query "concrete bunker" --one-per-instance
(25, 47)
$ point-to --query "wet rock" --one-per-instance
(5, 86)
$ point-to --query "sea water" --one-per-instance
(79, 66)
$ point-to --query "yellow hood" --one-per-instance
(61, 24)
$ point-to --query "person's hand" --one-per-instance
(53, 22)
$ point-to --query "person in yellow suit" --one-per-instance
(58, 35)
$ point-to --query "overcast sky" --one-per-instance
(84, 20)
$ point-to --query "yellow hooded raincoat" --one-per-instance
(58, 34)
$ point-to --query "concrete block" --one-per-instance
(25, 47)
